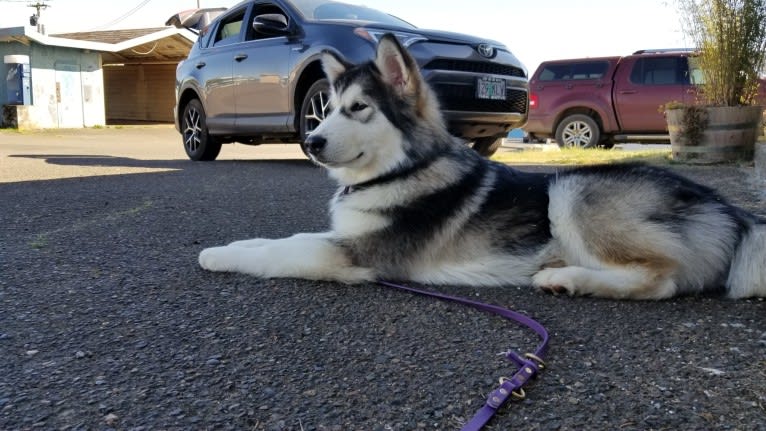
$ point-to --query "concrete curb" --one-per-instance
(518, 145)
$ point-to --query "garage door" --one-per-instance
(139, 93)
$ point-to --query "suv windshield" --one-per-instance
(323, 10)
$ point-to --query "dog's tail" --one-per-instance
(747, 275)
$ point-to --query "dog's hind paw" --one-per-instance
(554, 281)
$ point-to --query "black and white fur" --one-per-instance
(414, 204)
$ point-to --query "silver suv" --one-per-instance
(254, 76)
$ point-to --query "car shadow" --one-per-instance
(126, 162)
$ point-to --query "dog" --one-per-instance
(414, 204)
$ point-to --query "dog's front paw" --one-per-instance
(251, 243)
(218, 259)
(555, 281)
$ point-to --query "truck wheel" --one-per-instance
(487, 146)
(198, 143)
(579, 131)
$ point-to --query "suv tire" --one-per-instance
(198, 143)
(488, 146)
(578, 131)
(314, 108)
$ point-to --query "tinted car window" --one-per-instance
(562, 72)
(228, 30)
(659, 71)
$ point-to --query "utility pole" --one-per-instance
(39, 6)
(35, 18)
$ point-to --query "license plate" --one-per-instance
(490, 88)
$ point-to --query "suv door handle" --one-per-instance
(200, 65)
(628, 92)
(240, 57)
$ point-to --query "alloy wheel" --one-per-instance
(192, 130)
(319, 107)
(577, 134)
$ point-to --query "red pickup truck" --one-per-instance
(591, 102)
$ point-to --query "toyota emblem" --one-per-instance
(486, 50)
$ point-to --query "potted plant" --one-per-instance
(730, 38)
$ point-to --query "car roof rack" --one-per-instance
(663, 50)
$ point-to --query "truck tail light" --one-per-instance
(533, 100)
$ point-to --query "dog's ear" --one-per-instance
(397, 65)
(333, 65)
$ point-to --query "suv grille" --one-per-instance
(463, 98)
(475, 67)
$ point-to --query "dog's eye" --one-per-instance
(356, 107)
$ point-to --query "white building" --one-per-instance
(93, 78)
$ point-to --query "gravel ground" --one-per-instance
(107, 322)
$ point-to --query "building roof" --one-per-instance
(110, 36)
(145, 45)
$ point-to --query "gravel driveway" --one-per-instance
(107, 322)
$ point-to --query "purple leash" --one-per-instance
(528, 364)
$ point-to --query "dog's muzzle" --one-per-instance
(314, 144)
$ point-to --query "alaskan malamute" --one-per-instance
(415, 204)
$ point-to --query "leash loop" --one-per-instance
(532, 356)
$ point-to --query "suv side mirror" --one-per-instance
(272, 24)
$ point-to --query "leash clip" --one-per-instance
(529, 365)
(517, 394)
(508, 388)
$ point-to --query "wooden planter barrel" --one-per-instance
(730, 135)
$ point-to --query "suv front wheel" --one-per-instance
(314, 108)
(579, 131)
(198, 143)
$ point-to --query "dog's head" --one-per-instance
(384, 116)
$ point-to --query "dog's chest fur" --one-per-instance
(439, 211)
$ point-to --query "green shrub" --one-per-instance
(730, 36)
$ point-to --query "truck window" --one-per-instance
(695, 73)
(660, 71)
(569, 71)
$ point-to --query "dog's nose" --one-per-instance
(315, 144)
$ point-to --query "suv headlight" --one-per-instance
(374, 35)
